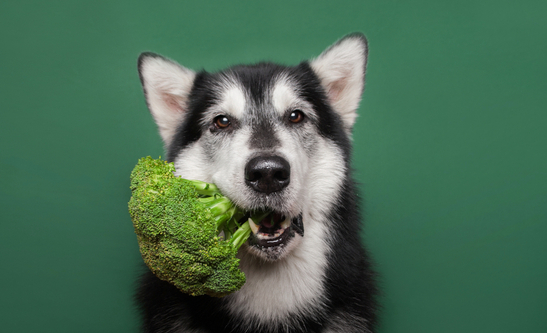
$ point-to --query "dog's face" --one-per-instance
(270, 137)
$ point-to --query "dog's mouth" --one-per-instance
(273, 232)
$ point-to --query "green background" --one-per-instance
(450, 150)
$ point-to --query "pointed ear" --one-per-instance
(166, 86)
(341, 69)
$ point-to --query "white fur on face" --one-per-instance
(230, 161)
(233, 103)
(195, 161)
(193, 164)
(285, 98)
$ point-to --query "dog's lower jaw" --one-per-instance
(290, 286)
(275, 241)
(274, 253)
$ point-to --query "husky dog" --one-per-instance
(274, 137)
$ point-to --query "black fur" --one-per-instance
(201, 97)
(166, 309)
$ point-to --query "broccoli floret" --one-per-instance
(188, 232)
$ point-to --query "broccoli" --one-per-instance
(188, 232)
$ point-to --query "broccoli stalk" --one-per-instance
(188, 232)
(226, 214)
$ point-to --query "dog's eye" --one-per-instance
(296, 116)
(221, 122)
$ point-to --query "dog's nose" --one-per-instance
(268, 174)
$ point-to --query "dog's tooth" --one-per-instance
(286, 223)
(254, 227)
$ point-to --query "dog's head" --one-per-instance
(269, 136)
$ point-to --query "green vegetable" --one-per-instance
(188, 232)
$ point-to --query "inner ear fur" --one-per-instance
(167, 86)
(341, 69)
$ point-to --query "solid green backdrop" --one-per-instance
(450, 150)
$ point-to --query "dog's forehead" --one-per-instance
(255, 89)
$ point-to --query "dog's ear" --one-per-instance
(167, 86)
(341, 69)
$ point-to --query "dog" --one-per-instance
(279, 138)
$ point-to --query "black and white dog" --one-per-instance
(276, 137)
